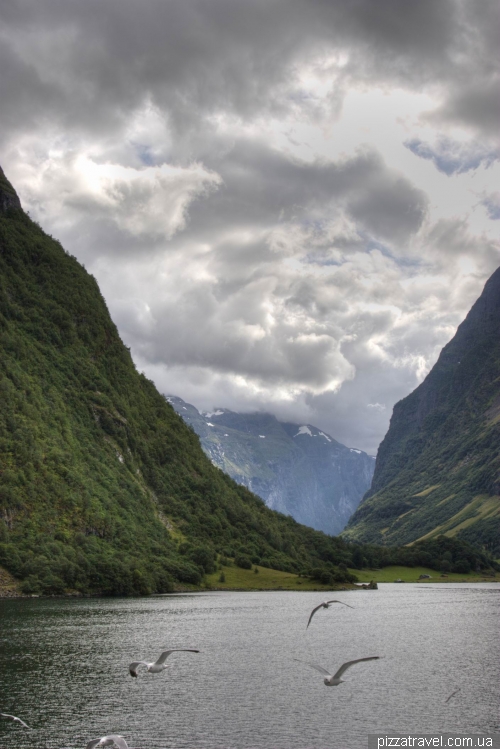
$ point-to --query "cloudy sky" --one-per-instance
(289, 205)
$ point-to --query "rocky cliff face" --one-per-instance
(8, 196)
(296, 469)
(438, 468)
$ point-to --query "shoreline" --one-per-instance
(23, 596)
(266, 579)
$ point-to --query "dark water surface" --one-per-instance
(64, 668)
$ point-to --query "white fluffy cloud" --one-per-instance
(146, 204)
(288, 205)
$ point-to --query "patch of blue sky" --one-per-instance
(454, 157)
(322, 256)
(404, 261)
(374, 244)
(321, 259)
(144, 153)
(492, 208)
(318, 226)
(300, 95)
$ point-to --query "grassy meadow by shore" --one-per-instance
(411, 575)
(235, 578)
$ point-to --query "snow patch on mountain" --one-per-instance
(304, 430)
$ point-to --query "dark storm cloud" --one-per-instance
(263, 186)
(87, 65)
(477, 107)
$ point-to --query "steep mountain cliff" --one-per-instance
(103, 487)
(296, 469)
(438, 468)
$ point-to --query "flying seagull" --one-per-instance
(112, 740)
(325, 605)
(333, 681)
(159, 665)
(13, 717)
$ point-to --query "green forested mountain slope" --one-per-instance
(438, 468)
(102, 485)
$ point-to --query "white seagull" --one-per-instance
(159, 665)
(13, 717)
(325, 605)
(335, 680)
(112, 740)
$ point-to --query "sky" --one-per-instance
(289, 205)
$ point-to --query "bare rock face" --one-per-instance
(8, 196)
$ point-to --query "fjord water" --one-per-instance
(64, 668)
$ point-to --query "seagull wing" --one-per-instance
(133, 667)
(120, 742)
(313, 612)
(13, 717)
(114, 740)
(163, 657)
(18, 720)
(342, 602)
(320, 669)
(313, 665)
(347, 665)
(92, 744)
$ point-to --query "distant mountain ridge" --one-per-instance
(438, 468)
(296, 469)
